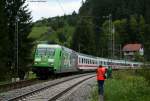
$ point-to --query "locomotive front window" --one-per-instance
(41, 51)
(51, 51)
(45, 51)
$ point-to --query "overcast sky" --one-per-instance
(52, 8)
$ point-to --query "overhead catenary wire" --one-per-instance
(61, 6)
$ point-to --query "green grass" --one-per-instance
(37, 32)
(125, 86)
(31, 75)
(4, 82)
(44, 33)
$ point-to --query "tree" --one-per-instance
(72, 19)
(147, 43)
(138, 57)
(83, 37)
(4, 42)
(19, 24)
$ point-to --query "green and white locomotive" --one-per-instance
(51, 59)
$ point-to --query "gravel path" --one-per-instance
(80, 93)
(48, 94)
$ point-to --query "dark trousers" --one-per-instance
(100, 87)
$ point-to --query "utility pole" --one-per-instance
(16, 50)
(79, 47)
(17, 61)
(112, 36)
(120, 50)
(113, 41)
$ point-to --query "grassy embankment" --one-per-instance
(31, 75)
(37, 32)
(125, 86)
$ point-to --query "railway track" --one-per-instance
(24, 83)
(48, 91)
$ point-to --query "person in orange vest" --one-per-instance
(101, 78)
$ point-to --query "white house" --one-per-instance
(130, 49)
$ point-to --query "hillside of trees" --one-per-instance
(58, 29)
(89, 31)
(131, 20)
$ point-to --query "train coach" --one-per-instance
(53, 59)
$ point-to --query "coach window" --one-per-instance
(79, 60)
(104, 63)
(82, 60)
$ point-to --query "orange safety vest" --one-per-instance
(101, 73)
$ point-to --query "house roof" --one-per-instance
(132, 47)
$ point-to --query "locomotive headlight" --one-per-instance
(36, 62)
(37, 59)
(51, 60)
